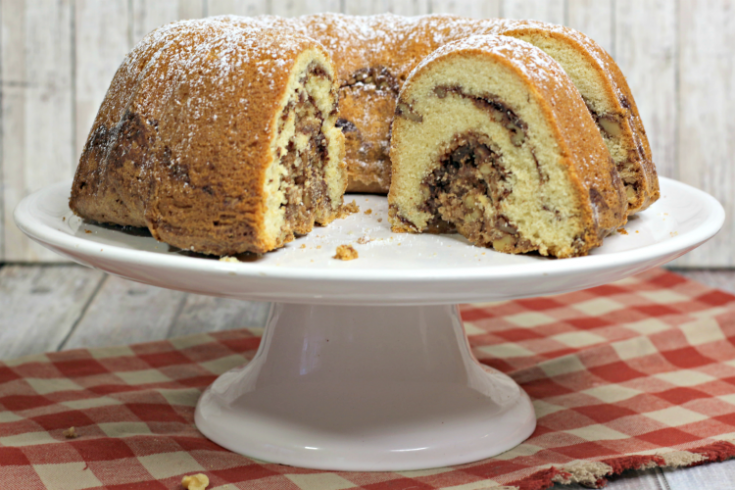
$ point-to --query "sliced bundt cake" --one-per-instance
(492, 139)
(608, 98)
(219, 136)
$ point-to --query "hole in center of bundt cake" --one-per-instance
(367, 139)
(305, 155)
(465, 191)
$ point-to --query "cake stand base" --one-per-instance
(365, 388)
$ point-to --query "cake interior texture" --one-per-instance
(219, 136)
(305, 182)
(596, 76)
(375, 54)
(478, 148)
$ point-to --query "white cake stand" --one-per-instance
(364, 365)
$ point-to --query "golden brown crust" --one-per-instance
(602, 203)
(617, 94)
(181, 145)
(398, 44)
(148, 164)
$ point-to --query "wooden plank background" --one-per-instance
(57, 58)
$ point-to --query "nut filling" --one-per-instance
(610, 127)
(465, 192)
(304, 160)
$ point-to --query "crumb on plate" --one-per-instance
(380, 220)
(87, 231)
(345, 252)
(622, 231)
(368, 211)
(70, 433)
(200, 481)
(348, 209)
(228, 259)
(363, 240)
(303, 245)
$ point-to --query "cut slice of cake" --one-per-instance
(492, 139)
(608, 98)
(218, 135)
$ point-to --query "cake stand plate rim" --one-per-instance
(335, 282)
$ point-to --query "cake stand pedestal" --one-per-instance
(365, 388)
(364, 365)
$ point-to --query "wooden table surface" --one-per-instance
(58, 307)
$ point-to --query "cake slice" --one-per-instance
(492, 139)
(219, 136)
(606, 95)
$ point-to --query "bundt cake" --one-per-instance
(232, 134)
(374, 55)
(492, 139)
(219, 136)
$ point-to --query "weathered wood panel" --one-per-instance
(235, 7)
(37, 108)
(400, 7)
(553, 11)
(645, 49)
(125, 312)
(717, 278)
(293, 8)
(40, 305)
(102, 38)
(149, 14)
(594, 18)
(208, 314)
(407, 7)
(706, 132)
(478, 9)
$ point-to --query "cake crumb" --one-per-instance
(63, 218)
(70, 433)
(228, 259)
(200, 481)
(348, 209)
(363, 240)
(380, 220)
(345, 252)
(318, 246)
(303, 245)
(622, 231)
(87, 231)
(368, 211)
(674, 233)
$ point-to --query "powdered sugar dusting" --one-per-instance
(213, 53)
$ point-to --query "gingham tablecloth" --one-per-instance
(634, 374)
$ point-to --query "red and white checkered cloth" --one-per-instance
(629, 375)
